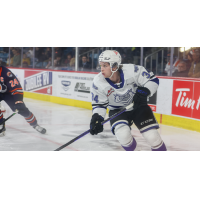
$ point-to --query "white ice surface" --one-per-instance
(63, 123)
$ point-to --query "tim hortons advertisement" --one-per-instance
(186, 99)
(38, 81)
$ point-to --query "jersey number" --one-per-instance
(13, 83)
(146, 74)
(95, 98)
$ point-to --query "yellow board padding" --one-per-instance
(157, 115)
(170, 120)
(59, 100)
(180, 122)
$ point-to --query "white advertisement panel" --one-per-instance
(164, 96)
(19, 73)
(73, 85)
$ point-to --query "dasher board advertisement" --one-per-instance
(73, 85)
(38, 81)
(186, 99)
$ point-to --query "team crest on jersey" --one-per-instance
(126, 98)
(9, 74)
(110, 92)
(116, 52)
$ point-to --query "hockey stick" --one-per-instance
(9, 117)
(86, 132)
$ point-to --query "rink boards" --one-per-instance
(176, 103)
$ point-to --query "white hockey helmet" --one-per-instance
(112, 57)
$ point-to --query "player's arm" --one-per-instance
(13, 85)
(146, 79)
(147, 86)
(99, 106)
(15, 88)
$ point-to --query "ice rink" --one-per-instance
(63, 123)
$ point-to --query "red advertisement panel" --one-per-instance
(186, 99)
(38, 81)
(196, 110)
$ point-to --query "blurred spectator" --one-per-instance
(16, 58)
(189, 56)
(68, 60)
(49, 64)
(58, 52)
(29, 53)
(176, 61)
(11, 51)
(57, 61)
(39, 54)
(11, 61)
(89, 60)
(2, 63)
(195, 67)
(72, 62)
(47, 53)
(40, 57)
(189, 59)
(84, 64)
(182, 70)
(26, 61)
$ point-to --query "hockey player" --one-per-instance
(117, 86)
(11, 92)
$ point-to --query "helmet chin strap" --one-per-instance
(113, 71)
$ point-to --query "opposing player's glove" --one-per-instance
(3, 87)
(140, 97)
(95, 124)
(19, 106)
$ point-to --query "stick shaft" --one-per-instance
(86, 132)
(7, 118)
(73, 140)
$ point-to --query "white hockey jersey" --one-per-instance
(106, 94)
